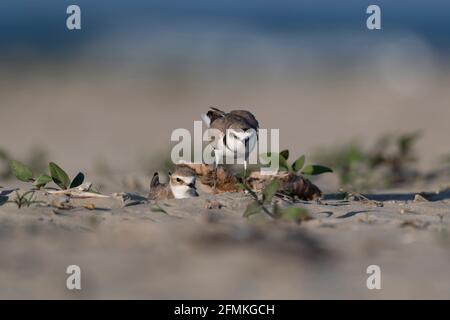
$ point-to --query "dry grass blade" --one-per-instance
(80, 192)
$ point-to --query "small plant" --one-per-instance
(57, 175)
(396, 154)
(297, 166)
(388, 163)
(347, 161)
(25, 199)
(274, 211)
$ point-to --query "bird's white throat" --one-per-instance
(182, 192)
(235, 142)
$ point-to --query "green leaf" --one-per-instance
(283, 163)
(21, 171)
(252, 208)
(285, 154)
(296, 214)
(270, 190)
(78, 180)
(59, 176)
(315, 170)
(42, 180)
(298, 164)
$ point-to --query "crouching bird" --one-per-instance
(181, 185)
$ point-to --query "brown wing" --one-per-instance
(155, 181)
(213, 114)
(247, 116)
(219, 124)
(160, 192)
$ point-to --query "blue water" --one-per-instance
(39, 25)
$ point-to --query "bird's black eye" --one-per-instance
(178, 180)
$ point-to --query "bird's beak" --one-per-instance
(192, 185)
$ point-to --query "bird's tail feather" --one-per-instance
(216, 110)
(155, 181)
(212, 115)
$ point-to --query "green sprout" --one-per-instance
(57, 175)
(25, 199)
(298, 166)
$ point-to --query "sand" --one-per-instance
(197, 249)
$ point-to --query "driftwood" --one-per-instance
(223, 180)
(80, 192)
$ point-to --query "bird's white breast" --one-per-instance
(235, 142)
(182, 192)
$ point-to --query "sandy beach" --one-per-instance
(196, 250)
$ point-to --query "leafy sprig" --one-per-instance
(57, 175)
(298, 166)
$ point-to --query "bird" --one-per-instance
(181, 185)
(238, 133)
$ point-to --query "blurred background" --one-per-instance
(107, 97)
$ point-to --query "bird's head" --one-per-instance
(182, 183)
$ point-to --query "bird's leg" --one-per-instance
(245, 170)
(214, 188)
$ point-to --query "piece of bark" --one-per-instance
(81, 192)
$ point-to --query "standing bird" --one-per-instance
(238, 130)
(181, 185)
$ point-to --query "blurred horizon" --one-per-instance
(39, 28)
